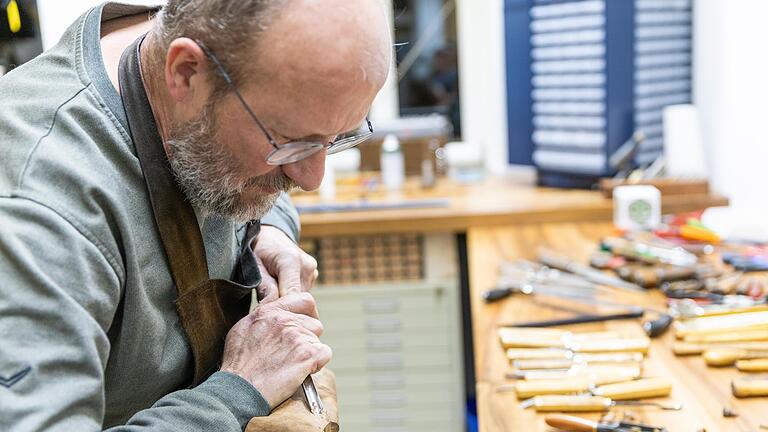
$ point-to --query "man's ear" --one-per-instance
(185, 65)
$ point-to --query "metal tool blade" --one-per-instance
(313, 397)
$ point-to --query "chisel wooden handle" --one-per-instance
(687, 348)
(615, 345)
(638, 389)
(571, 423)
(553, 403)
(527, 389)
(756, 365)
(538, 353)
(723, 357)
(746, 387)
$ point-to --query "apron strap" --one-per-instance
(207, 308)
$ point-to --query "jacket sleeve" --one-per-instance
(284, 216)
(59, 291)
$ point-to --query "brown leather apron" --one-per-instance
(208, 308)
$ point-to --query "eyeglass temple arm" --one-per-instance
(231, 84)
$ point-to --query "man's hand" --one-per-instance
(283, 265)
(276, 346)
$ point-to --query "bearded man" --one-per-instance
(136, 158)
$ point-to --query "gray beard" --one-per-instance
(208, 173)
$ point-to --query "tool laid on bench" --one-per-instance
(563, 403)
(579, 424)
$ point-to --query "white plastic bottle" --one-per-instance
(392, 163)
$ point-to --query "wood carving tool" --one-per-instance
(729, 356)
(599, 375)
(744, 336)
(649, 253)
(579, 424)
(568, 403)
(624, 359)
(582, 319)
(563, 263)
(511, 337)
(754, 365)
(750, 387)
(313, 397)
(626, 390)
(626, 345)
(653, 276)
(688, 348)
(736, 322)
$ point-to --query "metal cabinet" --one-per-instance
(397, 355)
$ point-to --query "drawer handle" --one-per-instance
(394, 401)
(381, 325)
(384, 344)
(394, 419)
(387, 381)
(385, 363)
(382, 305)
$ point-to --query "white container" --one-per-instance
(636, 207)
(683, 142)
(392, 163)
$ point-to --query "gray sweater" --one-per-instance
(89, 335)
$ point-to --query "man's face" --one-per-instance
(211, 175)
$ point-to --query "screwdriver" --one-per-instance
(578, 403)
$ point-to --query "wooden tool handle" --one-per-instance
(571, 423)
(756, 365)
(640, 345)
(723, 357)
(571, 403)
(745, 387)
(638, 389)
(527, 389)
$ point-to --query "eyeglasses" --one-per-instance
(291, 151)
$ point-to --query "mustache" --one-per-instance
(278, 181)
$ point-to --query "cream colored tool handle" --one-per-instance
(526, 389)
(756, 365)
(689, 348)
(745, 387)
(571, 423)
(613, 345)
(554, 403)
(638, 389)
(723, 357)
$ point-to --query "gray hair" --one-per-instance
(227, 27)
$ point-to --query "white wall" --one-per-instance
(731, 91)
(57, 15)
(482, 79)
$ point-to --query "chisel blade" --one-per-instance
(313, 397)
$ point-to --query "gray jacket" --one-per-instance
(89, 335)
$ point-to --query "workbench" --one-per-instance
(702, 391)
(506, 219)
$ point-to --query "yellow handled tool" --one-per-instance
(14, 17)
(755, 365)
(612, 359)
(637, 389)
(688, 348)
(619, 390)
(750, 387)
(559, 403)
(602, 374)
(729, 356)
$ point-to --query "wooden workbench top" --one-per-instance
(702, 391)
(493, 202)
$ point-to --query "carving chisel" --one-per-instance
(313, 397)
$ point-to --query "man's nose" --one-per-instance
(307, 173)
